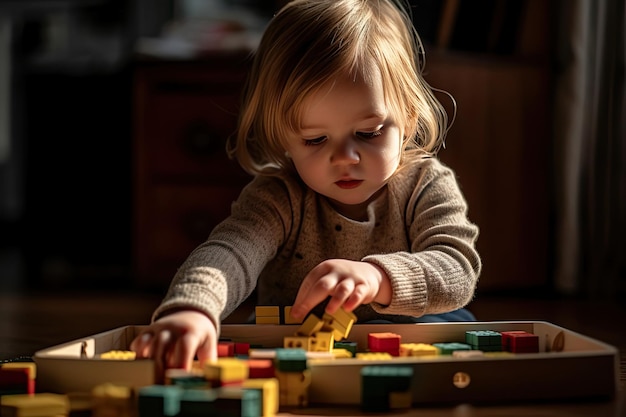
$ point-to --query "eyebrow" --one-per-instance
(365, 118)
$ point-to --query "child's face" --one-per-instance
(349, 144)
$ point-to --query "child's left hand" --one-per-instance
(348, 283)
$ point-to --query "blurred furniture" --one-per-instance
(499, 144)
(184, 181)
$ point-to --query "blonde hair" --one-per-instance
(310, 42)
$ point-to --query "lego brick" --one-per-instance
(448, 348)
(289, 319)
(226, 371)
(322, 342)
(384, 342)
(520, 342)
(34, 405)
(418, 349)
(260, 368)
(159, 400)
(267, 311)
(347, 345)
(267, 320)
(120, 355)
(298, 342)
(269, 394)
(198, 402)
(340, 323)
(225, 349)
(294, 388)
(238, 402)
(311, 325)
(374, 356)
(378, 381)
(290, 360)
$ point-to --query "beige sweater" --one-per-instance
(279, 229)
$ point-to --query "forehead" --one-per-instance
(349, 95)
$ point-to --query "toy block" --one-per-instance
(378, 381)
(226, 371)
(267, 320)
(31, 366)
(113, 400)
(464, 354)
(16, 380)
(290, 360)
(384, 342)
(322, 342)
(198, 402)
(347, 345)
(242, 348)
(485, 340)
(260, 368)
(186, 379)
(159, 400)
(341, 353)
(267, 314)
(500, 354)
(289, 319)
(34, 405)
(340, 323)
(374, 356)
(120, 355)
(448, 348)
(261, 353)
(294, 388)
(520, 342)
(238, 402)
(298, 342)
(225, 349)
(418, 349)
(311, 325)
(269, 394)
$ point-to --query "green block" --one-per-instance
(159, 400)
(291, 360)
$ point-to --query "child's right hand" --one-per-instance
(174, 340)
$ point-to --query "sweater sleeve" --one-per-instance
(223, 271)
(440, 272)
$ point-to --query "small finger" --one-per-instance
(355, 299)
(307, 299)
(141, 345)
(341, 293)
(183, 352)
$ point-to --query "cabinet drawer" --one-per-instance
(174, 221)
(187, 137)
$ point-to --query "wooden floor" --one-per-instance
(30, 322)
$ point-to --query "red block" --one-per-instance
(261, 368)
(242, 348)
(384, 342)
(16, 380)
(519, 341)
(225, 349)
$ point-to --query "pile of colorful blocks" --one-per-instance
(253, 381)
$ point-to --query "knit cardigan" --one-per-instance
(417, 231)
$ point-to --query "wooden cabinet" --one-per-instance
(184, 183)
(500, 147)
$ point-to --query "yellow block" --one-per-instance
(36, 405)
(341, 353)
(374, 356)
(269, 390)
(226, 370)
(341, 322)
(311, 325)
(302, 342)
(125, 355)
(267, 320)
(267, 311)
(418, 349)
(288, 318)
(323, 342)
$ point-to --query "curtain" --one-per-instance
(590, 149)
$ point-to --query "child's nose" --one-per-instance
(345, 152)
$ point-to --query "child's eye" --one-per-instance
(316, 141)
(369, 135)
